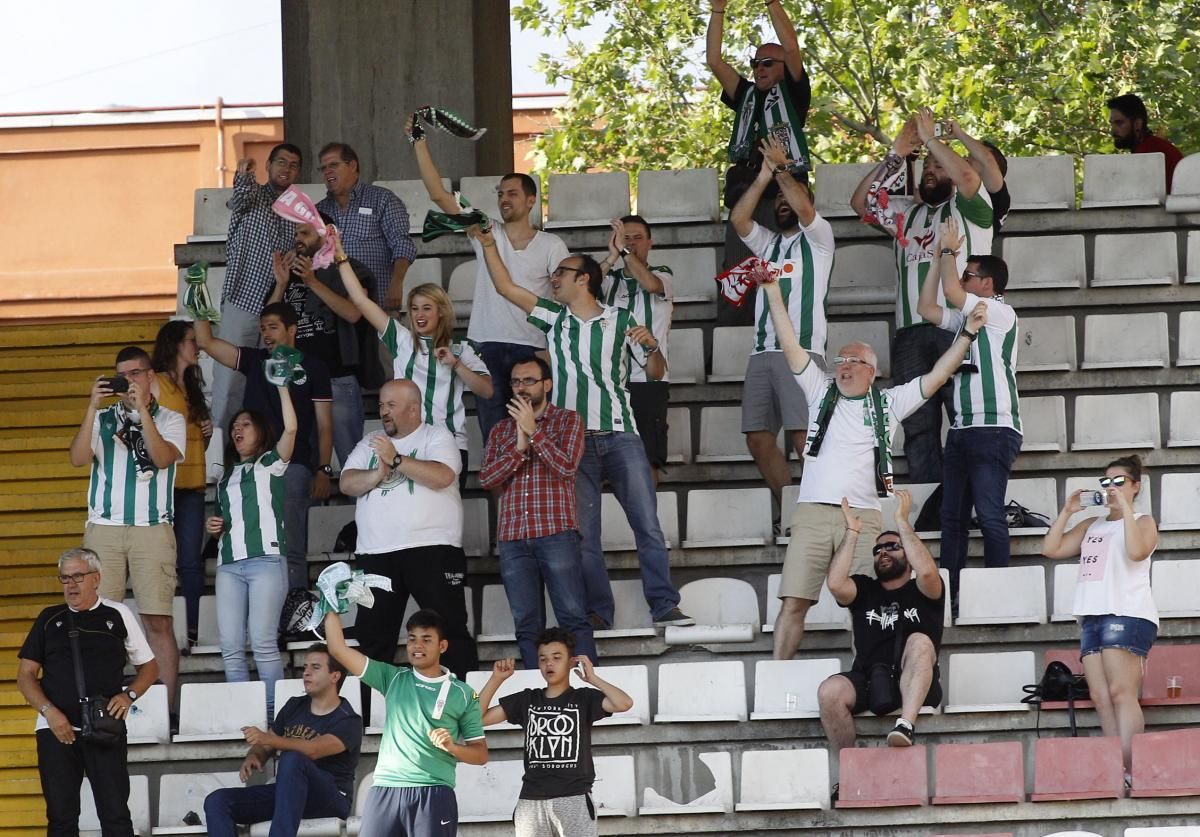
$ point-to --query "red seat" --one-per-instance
(1168, 660)
(1167, 763)
(881, 777)
(978, 773)
(1077, 768)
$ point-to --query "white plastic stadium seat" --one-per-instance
(693, 272)
(208, 638)
(291, 687)
(1193, 257)
(587, 200)
(679, 196)
(488, 793)
(1185, 186)
(833, 184)
(679, 435)
(685, 354)
(1120, 421)
(214, 453)
(477, 530)
(181, 794)
(1123, 180)
(874, 334)
(721, 437)
(1038, 494)
(1185, 420)
(1045, 261)
(825, 615)
(989, 682)
(424, 271)
(474, 444)
(1045, 344)
(1189, 339)
(496, 619)
(784, 780)
(416, 200)
(731, 349)
(615, 790)
(725, 610)
(1126, 341)
(719, 800)
(1165, 831)
(616, 535)
(324, 525)
(633, 680)
(727, 518)
(1173, 584)
(1044, 422)
(139, 807)
(1180, 502)
(218, 711)
(149, 721)
(1002, 596)
(462, 288)
(708, 691)
(863, 273)
(1128, 259)
(785, 689)
(1042, 182)
(1066, 574)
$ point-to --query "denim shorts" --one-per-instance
(1129, 633)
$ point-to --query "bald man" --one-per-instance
(410, 520)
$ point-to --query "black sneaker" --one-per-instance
(902, 734)
(675, 618)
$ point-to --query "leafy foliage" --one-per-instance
(1031, 76)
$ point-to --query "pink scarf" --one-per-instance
(298, 207)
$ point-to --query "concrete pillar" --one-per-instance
(354, 72)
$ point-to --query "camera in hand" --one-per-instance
(117, 384)
(1093, 498)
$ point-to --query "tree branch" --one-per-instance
(873, 131)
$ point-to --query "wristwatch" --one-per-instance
(624, 251)
(972, 336)
(327, 470)
(133, 696)
(42, 709)
(397, 460)
(947, 251)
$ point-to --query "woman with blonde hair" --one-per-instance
(1117, 617)
(426, 353)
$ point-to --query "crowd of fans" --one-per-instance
(566, 359)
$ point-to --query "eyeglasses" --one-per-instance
(755, 63)
(333, 164)
(279, 162)
(1115, 482)
(563, 269)
(853, 361)
(524, 382)
(889, 546)
(75, 578)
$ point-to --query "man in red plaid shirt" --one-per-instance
(533, 455)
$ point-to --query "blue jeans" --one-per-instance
(499, 358)
(261, 581)
(555, 562)
(347, 415)
(189, 543)
(301, 790)
(978, 462)
(297, 481)
(1128, 633)
(914, 352)
(620, 458)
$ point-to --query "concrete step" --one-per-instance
(85, 334)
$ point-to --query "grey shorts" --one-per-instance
(771, 398)
(566, 816)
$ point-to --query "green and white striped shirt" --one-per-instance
(806, 262)
(988, 398)
(622, 290)
(974, 217)
(590, 360)
(116, 496)
(441, 387)
(250, 498)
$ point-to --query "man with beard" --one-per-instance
(897, 620)
(949, 188)
(533, 456)
(497, 326)
(326, 325)
(848, 457)
(802, 253)
(1130, 126)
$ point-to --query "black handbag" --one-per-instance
(1058, 684)
(96, 724)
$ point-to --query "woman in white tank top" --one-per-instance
(1114, 607)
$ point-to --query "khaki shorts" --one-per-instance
(149, 554)
(817, 529)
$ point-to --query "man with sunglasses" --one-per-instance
(897, 617)
(533, 456)
(132, 447)
(848, 456)
(986, 435)
(949, 187)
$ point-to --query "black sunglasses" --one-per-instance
(1117, 481)
(755, 63)
(890, 546)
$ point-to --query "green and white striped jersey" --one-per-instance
(974, 217)
(441, 388)
(806, 262)
(989, 397)
(622, 290)
(117, 494)
(250, 497)
(590, 360)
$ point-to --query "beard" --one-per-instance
(786, 218)
(938, 193)
(897, 569)
(1125, 143)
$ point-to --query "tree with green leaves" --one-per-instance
(1031, 76)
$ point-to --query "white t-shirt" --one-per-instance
(493, 318)
(846, 464)
(400, 513)
(1108, 582)
(987, 398)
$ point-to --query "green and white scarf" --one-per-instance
(881, 422)
(778, 115)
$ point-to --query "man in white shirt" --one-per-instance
(410, 519)
(500, 329)
(986, 435)
(802, 254)
(848, 455)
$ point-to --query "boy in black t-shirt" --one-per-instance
(897, 620)
(556, 790)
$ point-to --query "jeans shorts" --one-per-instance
(1129, 633)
